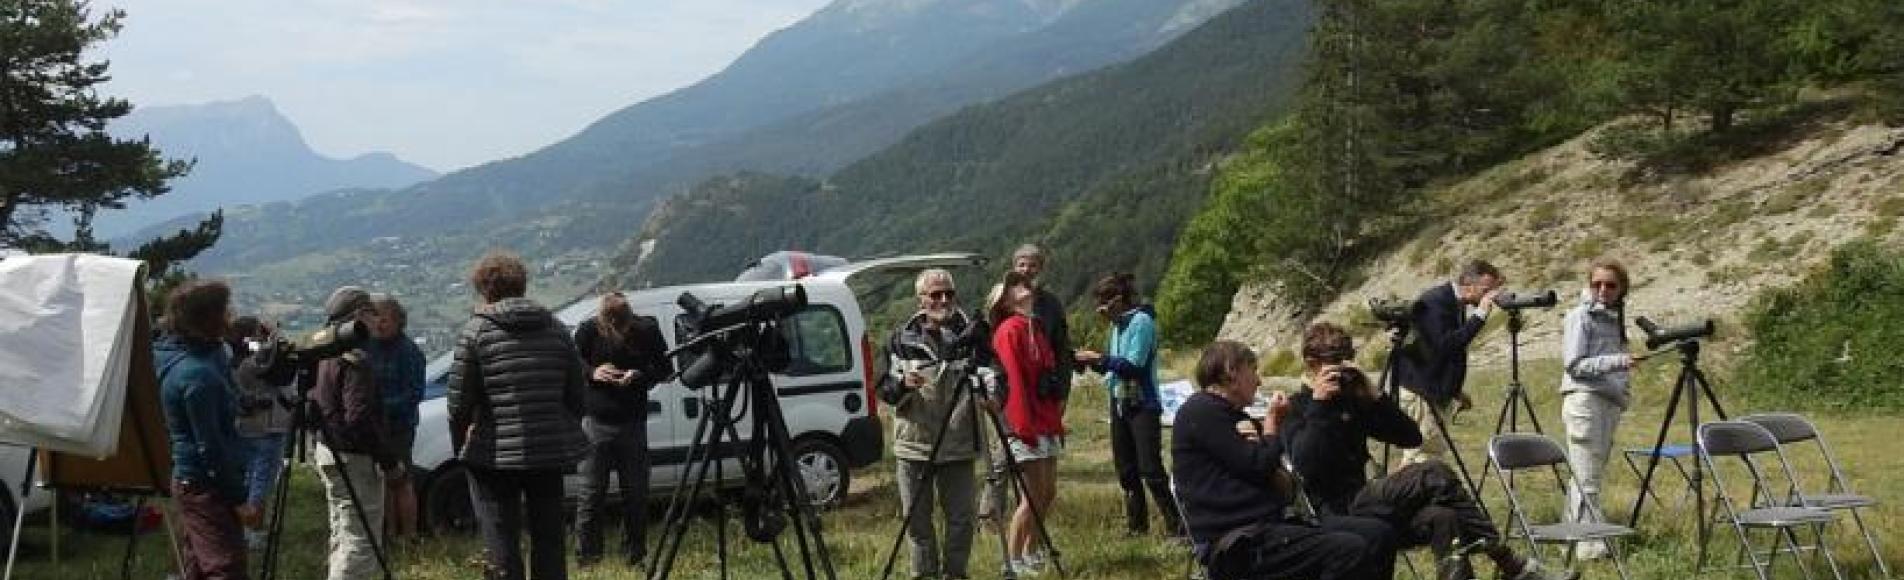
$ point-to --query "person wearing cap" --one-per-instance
(353, 453)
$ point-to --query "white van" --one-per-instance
(826, 393)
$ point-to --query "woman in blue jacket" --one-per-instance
(1130, 369)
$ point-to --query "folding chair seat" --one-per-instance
(1750, 443)
(1837, 495)
(1513, 452)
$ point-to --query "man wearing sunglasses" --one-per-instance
(926, 364)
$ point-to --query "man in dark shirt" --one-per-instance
(1328, 430)
(1235, 494)
(1434, 365)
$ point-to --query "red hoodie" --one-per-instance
(1026, 356)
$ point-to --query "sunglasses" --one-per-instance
(940, 294)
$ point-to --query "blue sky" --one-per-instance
(443, 83)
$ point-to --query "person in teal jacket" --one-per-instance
(200, 402)
(1130, 369)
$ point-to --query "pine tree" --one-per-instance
(55, 154)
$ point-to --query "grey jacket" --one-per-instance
(917, 413)
(1593, 353)
(515, 390)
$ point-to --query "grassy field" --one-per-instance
(1088, 524)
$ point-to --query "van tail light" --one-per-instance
(866, 353)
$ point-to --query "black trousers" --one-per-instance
(500, 499)
(1427, 503)
(621, 448)
(1137, 451)
(1341, 548)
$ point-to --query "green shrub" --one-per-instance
(1829, 342)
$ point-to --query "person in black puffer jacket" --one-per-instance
(515, 407)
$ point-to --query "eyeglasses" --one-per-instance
(940, 294)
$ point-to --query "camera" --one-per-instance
(280, 359)
(1520, 300)
(1391, 310)
(1657, 335)
(711, 337)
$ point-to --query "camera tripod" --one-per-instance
(966, 394)
(295, 447)
(766, 460)
(1689, 386)
(1397, 334)
(1509, 420)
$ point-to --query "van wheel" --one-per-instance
(446, 502)
(822, 467)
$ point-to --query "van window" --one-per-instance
(816, 336)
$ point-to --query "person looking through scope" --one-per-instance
(1036, 420)
(515, 402)
(627, 357)
(1426, 503)
(921, 388)
(263, 421)
(198, 398)
(1595, 371)
(1434, 365)
(353, 456)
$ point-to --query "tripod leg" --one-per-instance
(1652, 461)
(1503, 423)
(357, 507)
(1460, 466)
(1699, 378)
(705, 441)
(1025, 495)
(781, 446)
(925, 478)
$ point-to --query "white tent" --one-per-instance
(66, 337)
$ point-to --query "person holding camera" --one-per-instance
(1433, 367)
(197, 395)
(262, 421)
(1130, 369)
(627, 357)
(1236, 496)
(1036, 419)
(1327, 431)
(1596, 369)
(515, 391)
(353, 455)
(925, 372)
(398, 366)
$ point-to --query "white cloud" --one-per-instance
(445, 83)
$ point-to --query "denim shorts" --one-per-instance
(1048, 447)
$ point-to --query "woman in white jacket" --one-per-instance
(1596, 369)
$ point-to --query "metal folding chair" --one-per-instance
(1513, 452)
(1789, 428)
(1198, 569)
(1748, 442)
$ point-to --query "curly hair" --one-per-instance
(498, 276)
(197, 309)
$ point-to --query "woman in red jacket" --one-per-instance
(1037, 422)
